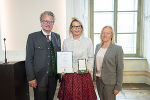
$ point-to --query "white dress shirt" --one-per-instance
(82, 48)
(47, 34)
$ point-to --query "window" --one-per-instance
(123, 16)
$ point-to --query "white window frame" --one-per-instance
(139, 41)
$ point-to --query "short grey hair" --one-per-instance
(47, 13)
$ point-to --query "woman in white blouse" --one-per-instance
(75, 86)
(108, 66)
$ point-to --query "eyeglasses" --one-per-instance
(48, 22)
(76, 27)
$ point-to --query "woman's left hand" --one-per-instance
(116, 92)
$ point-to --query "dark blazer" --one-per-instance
(38, 54)
(112, 66)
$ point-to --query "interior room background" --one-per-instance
(18, 18)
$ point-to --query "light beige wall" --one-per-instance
(136, 71)
(21, 17)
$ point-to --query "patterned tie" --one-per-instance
(47, 36)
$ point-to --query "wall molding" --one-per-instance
(136, 73)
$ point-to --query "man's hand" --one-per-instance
(33, 83)
(116, 92)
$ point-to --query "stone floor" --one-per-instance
(129, 92)
(134, 92)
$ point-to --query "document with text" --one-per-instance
(65, 62)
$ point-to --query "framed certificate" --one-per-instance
(82, 68)
(65, 62)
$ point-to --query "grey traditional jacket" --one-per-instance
(112, 66)
(38, 54)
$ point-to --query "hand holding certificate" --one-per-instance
(64, 62)
(82, 69)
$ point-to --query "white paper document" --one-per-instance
(64, 62)
(82, 64)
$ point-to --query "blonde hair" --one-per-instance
(112, 39)
(75, 20)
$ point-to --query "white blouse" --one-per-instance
(82, 48)
(99, 60)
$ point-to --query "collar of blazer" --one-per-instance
(108, 49)
(54, 39)
(45, 37)
(52, 35)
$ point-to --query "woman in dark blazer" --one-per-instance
(108, 66)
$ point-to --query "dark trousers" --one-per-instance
(105, 92)
(46, 88)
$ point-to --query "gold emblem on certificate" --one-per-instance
(82, 68)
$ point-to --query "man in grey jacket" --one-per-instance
(41, 50)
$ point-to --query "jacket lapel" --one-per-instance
(108, 51)
(97, 49)
(54, 40)
(43, 38)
